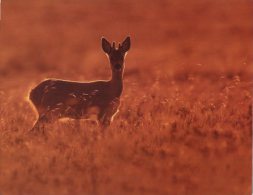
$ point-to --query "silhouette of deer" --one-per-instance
(54, 99)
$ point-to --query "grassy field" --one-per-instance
(185, 122)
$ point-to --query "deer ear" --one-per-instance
(125, 45)
(106, 45)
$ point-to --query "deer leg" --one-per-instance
(40, 124)
(105, 121)
(106, 116)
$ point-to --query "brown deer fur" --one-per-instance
(54, 99)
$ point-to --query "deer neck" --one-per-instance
(117, 83)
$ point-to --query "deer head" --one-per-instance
(116, 55)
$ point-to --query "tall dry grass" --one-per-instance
(184, 126)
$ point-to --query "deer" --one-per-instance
(99, 100)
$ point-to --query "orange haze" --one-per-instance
(184, 125)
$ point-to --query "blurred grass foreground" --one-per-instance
(185, 122)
